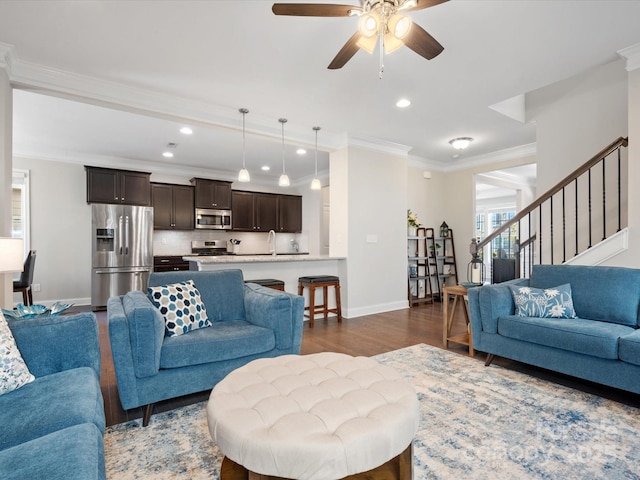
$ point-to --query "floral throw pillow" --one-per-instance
(553, 302)
(14, 373)
(181, 306)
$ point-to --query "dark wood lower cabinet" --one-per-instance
(169, 263)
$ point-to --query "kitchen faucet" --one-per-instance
(272, 243)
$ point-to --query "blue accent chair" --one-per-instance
(601, 345)
(53, 427)
(249, 321)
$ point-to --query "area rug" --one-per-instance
(477, 423)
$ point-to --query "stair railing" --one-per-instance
(565, 220)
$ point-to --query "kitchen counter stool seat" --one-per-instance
(320, 281)
(268, 282)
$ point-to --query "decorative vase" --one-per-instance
(412, 231)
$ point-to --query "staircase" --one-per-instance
(582, 220)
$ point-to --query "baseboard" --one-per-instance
(603, 251)
(48, 303)
(372, 309)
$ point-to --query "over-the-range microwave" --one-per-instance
(213, 219)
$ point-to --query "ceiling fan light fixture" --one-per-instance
(408, 4)
(461, 143)
(391, 43)
(399, 25)
(368, 44)
(369, 24)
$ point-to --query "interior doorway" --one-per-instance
(499, 196)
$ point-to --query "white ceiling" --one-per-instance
(197, 62)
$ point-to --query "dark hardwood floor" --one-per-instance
(368, 335)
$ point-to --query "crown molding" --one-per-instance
(158, 167)
(378, 145)
(505, 155)
(632, 56)
(41, 79)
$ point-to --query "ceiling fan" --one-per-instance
(378, 18)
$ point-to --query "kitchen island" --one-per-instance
(285, 267)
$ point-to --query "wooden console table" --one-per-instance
(458, 292)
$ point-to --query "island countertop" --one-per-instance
(260, 258)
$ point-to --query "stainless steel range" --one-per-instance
(209, 247)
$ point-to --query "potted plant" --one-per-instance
(412, 223)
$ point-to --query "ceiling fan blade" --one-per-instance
(346, 52)
(314, 9)
(422, 43)
(421, 4)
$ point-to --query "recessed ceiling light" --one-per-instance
(186, 131)
(167, 154)
(265, 168)
(403, 103)
(301, 151)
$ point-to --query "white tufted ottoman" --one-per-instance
(315, 417)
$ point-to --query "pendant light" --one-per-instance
(315, 184)
(243, 176)
(284, 179)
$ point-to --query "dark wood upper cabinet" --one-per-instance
(289, 213)
(261, 212)
(172, 206)
(242, 211)
(105, 185)
(212, 193)
(266, 212)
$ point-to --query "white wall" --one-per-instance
(425, 197)
(576, 118)
(368, 217)
(60, 231)
(6, 129)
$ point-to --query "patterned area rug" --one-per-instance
(477, 423)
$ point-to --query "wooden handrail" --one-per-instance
(620, 142)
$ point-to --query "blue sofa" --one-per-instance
(249, 322)
(53, 427)
(602, 344)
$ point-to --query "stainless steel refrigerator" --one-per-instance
(122, 250)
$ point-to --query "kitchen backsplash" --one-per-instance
(168, 242)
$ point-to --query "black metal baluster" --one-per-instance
(551, 227)
(540, 232)
(576, 207)
(589, 203)
(604, 201)
(564, 229)
(619, 194)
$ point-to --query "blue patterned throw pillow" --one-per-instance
(553, 302)
(181, 306)
(14, 373)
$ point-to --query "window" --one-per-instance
(20, 208)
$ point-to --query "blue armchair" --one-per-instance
(249, 322)
(53, 427)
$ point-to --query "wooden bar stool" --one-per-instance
(268, 282)
(317, 281)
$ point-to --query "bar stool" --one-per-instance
(268, 282)
(317, 281)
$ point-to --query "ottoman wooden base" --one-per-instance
(398, 468)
